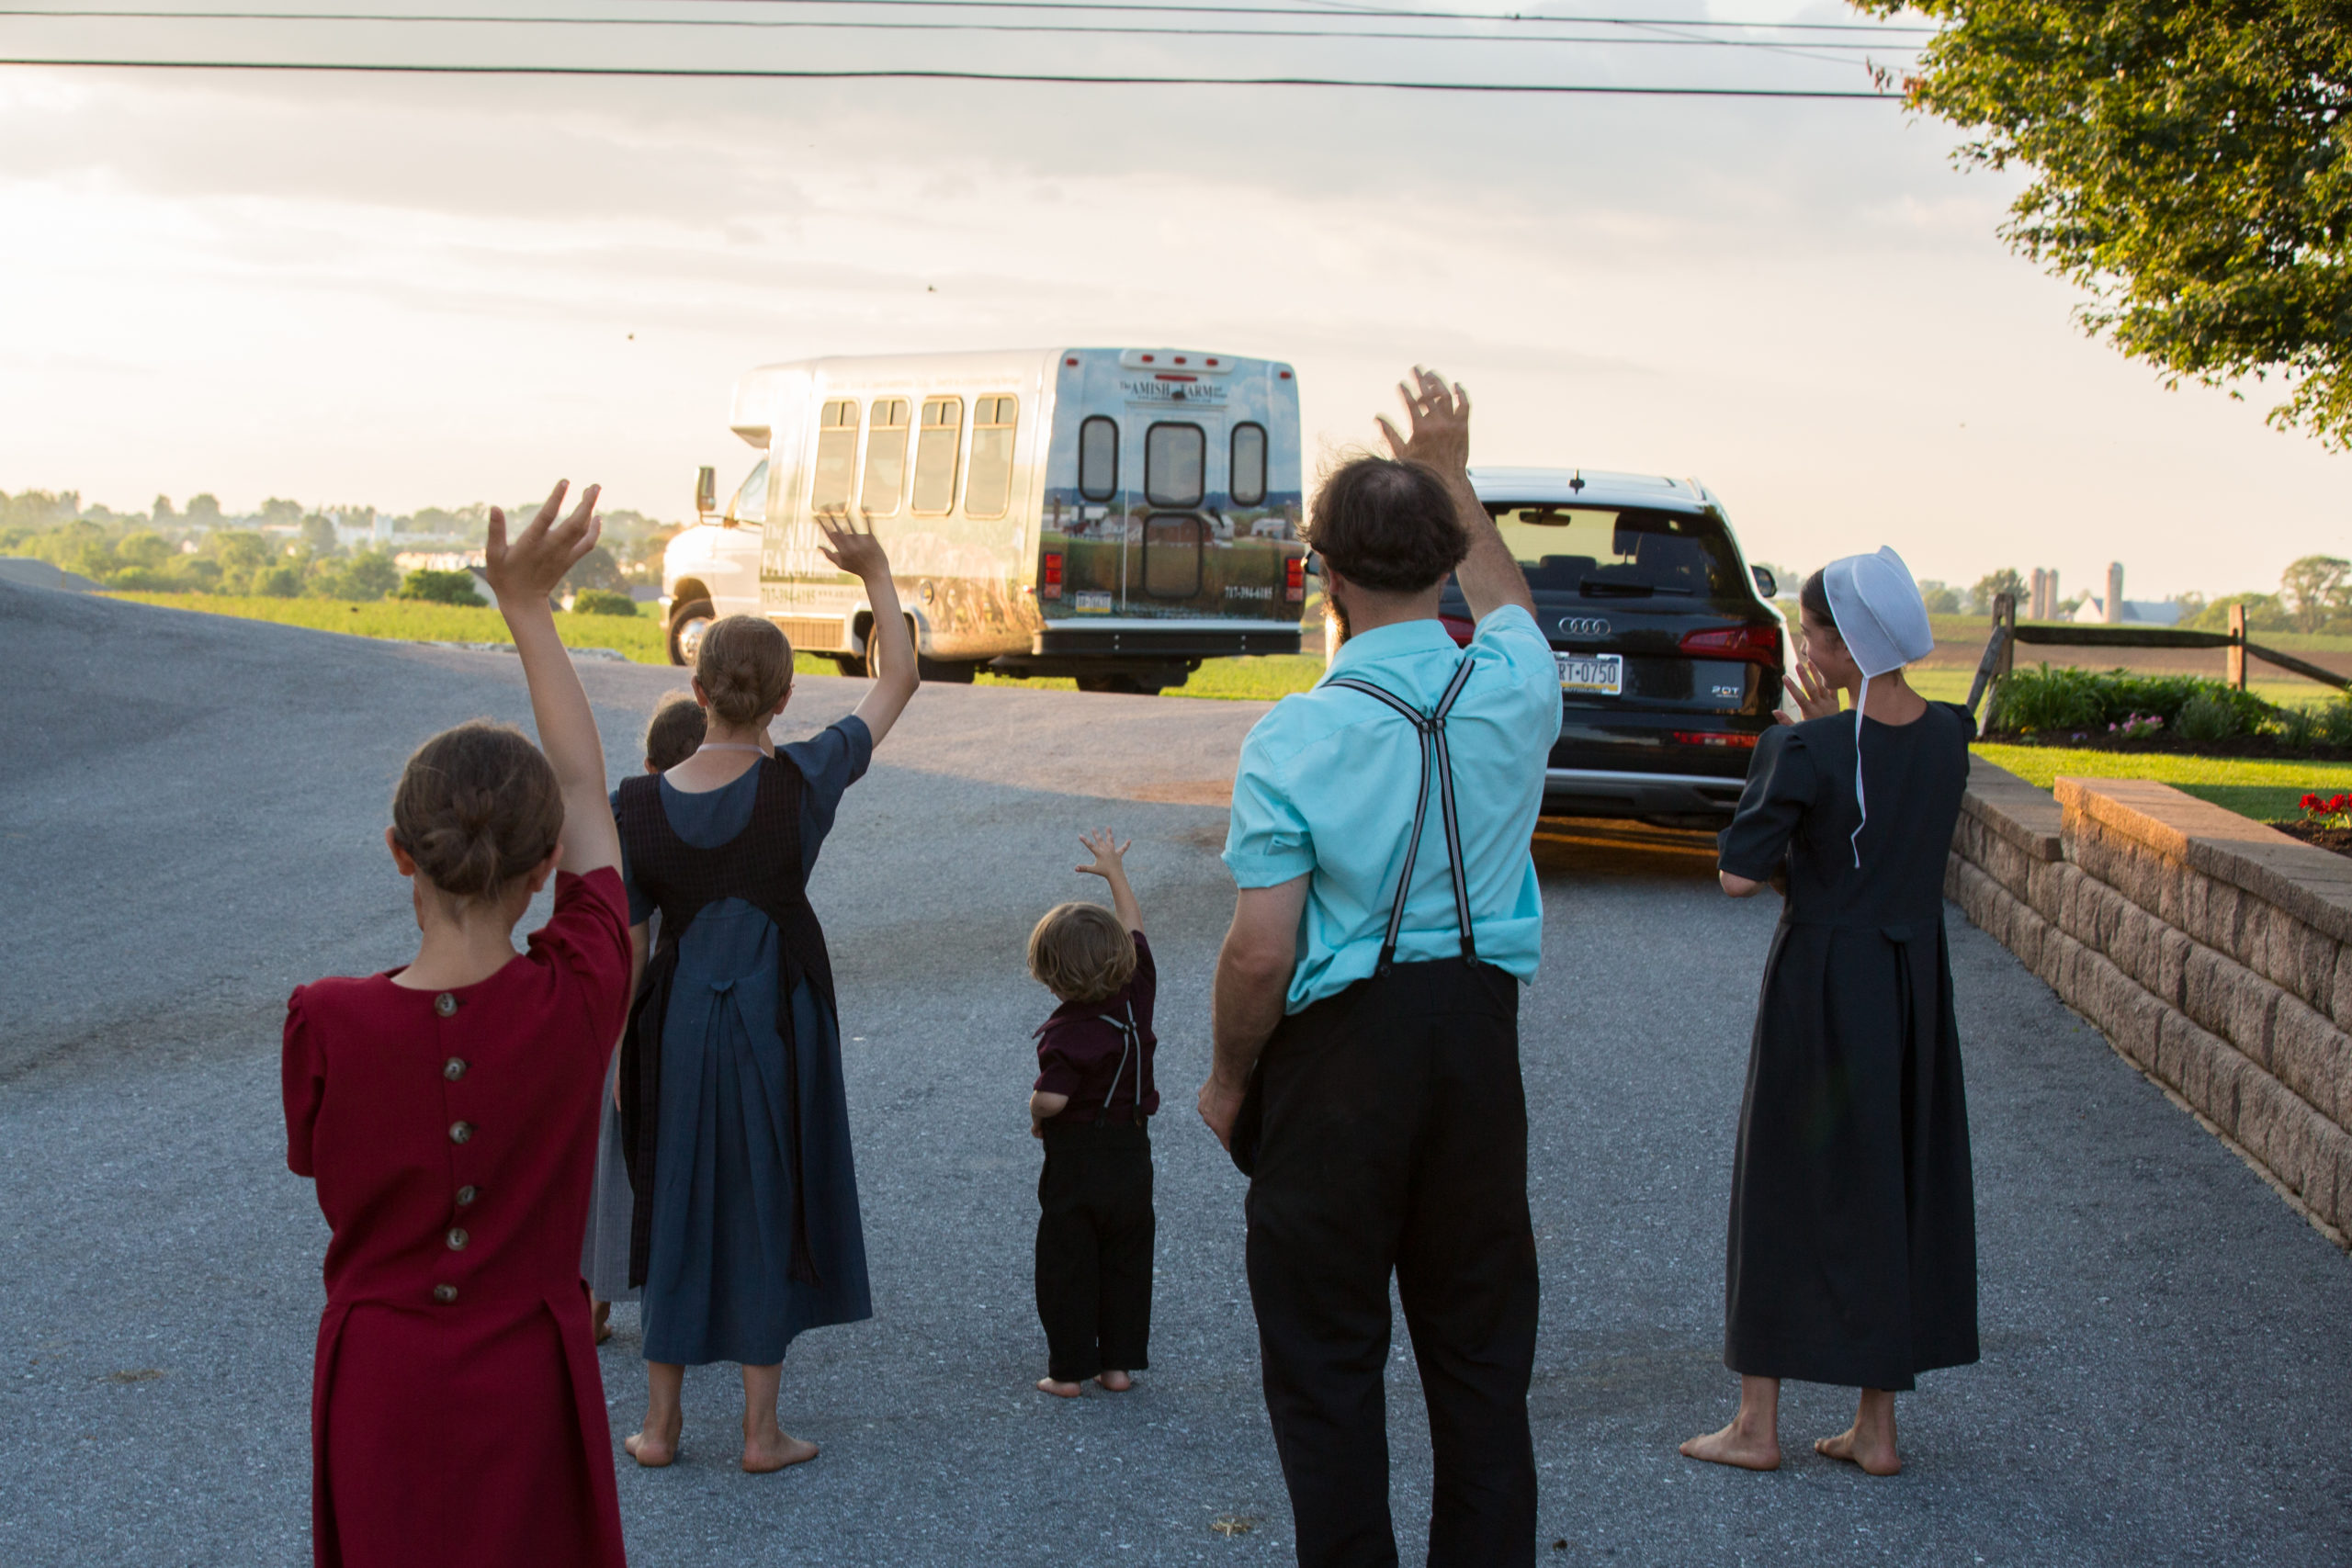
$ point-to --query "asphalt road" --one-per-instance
(190, 824)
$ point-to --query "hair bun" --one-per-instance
(477, 807)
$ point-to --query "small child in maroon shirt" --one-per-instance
(1093, 1094)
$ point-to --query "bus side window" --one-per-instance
(988, 482)
(836, 456)
(942, 428)
(1098, 459)
(1173, 459)
(886, 456)
(1247, 480)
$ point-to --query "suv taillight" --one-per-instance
(1757, 645)
(1052, 587)
(1735, 739)
(1294, 578)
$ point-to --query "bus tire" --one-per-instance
(687, 626)
(946, 672)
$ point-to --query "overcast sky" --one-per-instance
(410, 290)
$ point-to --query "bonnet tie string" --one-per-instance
(1854, 839)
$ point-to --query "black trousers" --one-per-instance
(1394, 1137)
(1094, 1235)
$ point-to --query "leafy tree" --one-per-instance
(162, 511)
(602, 602)
(2193, 173)
(439, 588)
(1941, 598)
(368, 575)
(2006, 580)
(2263, 613)
(597, 570)
(318, 537)
(2315, 589)
(279, 513)
(204, 511)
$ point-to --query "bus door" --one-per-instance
(1171, 535)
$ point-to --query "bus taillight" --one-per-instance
(1052, 584)
(1294, 579)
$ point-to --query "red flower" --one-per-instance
(2340, 802)
(2312, 802)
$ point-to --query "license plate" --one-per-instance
(1603, 673)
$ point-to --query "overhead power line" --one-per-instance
(747, 73)
(1052, 29)
(1338, 13)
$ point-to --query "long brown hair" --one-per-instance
(477, 807)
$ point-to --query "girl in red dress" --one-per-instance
(449, 1110)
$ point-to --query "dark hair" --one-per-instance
(745, 668)
(1387, 525)
(477, 807)
(1081, 953)
(673, 732)
(1814, 598)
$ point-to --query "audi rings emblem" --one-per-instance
(1584, 626)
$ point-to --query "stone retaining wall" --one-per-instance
(2215, 954)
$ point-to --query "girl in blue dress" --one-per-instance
(745, 1230)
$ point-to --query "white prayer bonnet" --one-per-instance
(1878, 610)
(1884, 625)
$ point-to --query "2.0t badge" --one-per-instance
(1584, 626)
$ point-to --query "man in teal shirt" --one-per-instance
(1366, 1009)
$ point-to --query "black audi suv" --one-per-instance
(1670, 650)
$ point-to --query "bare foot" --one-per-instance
(1875, 1453)
(601, 1318)
(1734, 1446)
(766, 1451)
(1117, 1382)
(652, 1451)
(1060, 1389)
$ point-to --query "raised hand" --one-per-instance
(534, 563)
(1439, 415)
(855, 551)
(1810, 689)
(1109, 862)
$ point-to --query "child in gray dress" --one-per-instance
(671, 737)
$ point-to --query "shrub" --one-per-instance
(2208, 719)
(439, 588)
(602, 602)
(2059, 699)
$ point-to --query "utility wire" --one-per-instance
(1054, 29)
(1369, 13)
(745, 74)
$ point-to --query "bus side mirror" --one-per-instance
(1766, 583)
(706, 491)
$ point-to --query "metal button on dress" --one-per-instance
(445, 1004)
(460, 1130)
(454, 1068)
(444, 1294)
(465, 1196)
(457, 1239)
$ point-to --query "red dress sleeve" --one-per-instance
(586, 938)
(305, 1084)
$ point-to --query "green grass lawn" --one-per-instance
(2265, 790)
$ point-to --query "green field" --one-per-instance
(2265, 790)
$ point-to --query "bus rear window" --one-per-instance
(886, 456)
(836, 456)
(943, 425)
(988, 482)
(1604, 553)
(1173, 458)
(1247, 486)
(1098, 459)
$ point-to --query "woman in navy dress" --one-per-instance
(1853, 1250)
(746, 1227)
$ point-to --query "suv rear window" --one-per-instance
(1605, 553)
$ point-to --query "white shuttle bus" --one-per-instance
(1116, 516)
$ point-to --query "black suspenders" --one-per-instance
(1430, 728)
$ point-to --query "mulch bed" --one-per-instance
(2336, 839)
(2248, 748)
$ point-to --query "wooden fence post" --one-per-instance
(2237, 651)
(2005, 615)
